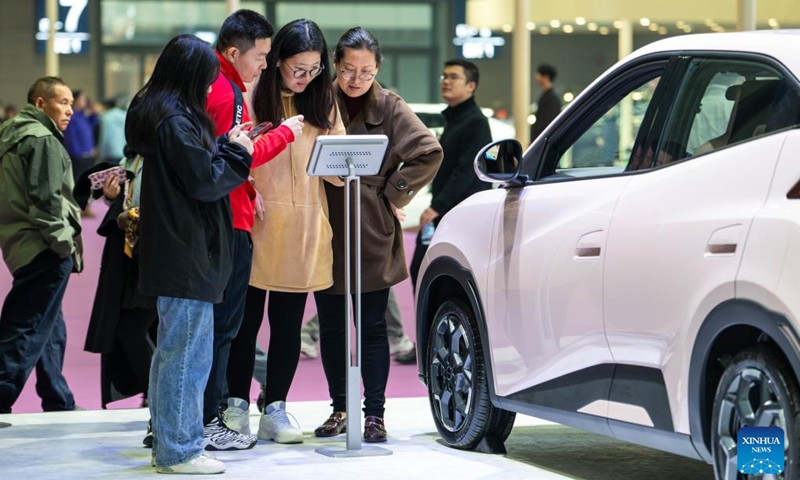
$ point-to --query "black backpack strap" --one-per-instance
(238, 104)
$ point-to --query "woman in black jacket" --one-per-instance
(184, 244)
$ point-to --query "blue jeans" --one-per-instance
(228, 316)
(178, 375)
(33, 333)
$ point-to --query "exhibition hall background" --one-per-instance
(581, 38)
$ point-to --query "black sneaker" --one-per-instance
(148, 437)
(217, 436)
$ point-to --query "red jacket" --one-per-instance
(220, 108)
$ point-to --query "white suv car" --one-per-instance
(637, 273)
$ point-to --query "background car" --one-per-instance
(646, 290)
(431, 116)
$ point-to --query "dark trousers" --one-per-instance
(374, 349)
(133, 338)
(228, 316)
(33, 333)
(285, 316)
(416, 261)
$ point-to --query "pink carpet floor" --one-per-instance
(82, 369)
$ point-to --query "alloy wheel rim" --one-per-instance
(751, 400)
(451, 372)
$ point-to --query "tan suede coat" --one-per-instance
(411, 161)
(292, 249)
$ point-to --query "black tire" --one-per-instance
(458, 391)
(759, 389)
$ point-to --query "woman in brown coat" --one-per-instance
(412, 159)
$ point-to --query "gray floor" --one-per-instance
(107, 444)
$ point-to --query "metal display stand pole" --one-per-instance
(353, 409)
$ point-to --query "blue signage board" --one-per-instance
(72, 27)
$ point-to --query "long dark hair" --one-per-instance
(180, 80)
(316, 101)
(358, 38)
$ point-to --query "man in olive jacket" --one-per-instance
(39, 236)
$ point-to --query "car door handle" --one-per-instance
(590, 245)
(724, 241)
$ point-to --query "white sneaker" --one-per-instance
(403, 344)
(275, 425)
(217, 436)
(309, 348)
(237, 415)
(202, 465)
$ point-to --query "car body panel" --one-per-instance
(545, 281)
(673, 252)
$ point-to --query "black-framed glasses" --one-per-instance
(450, 76)
(351, 74)
(314, 72)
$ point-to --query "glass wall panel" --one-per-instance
(151, 22)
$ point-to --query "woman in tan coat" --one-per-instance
(412, 159)
(292, 253)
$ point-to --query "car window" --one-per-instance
(606, 147)
(723, 102)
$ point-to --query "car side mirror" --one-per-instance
(499, 162)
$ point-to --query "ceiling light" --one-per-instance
(544, 31)
(507, 28)
(580, 21)
(568, 29)
(530, 26)
(569, 96)
(592, 27)
(555, 23)
(617, 24)
(644, 22)
(662, 30)
(603, 30)
(653, 27)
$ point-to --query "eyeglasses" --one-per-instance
(300, 73)
(451, 76)
(351, 74)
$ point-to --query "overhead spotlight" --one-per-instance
(617, 24)
(680, 23)
(569, 96)
(544, 30)
(555, 23)
(662, 30)
(686, 28)
(567, 28)
(580, 21)
(772, 23)
(507, 28)
(530, 26)
(603, 31)
(592, 27)
(644, 22)
(531, 119)
(709, 22)
(653, 27)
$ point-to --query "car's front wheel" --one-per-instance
(757, 389)
(458, 388)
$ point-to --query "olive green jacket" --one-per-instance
(37, 210)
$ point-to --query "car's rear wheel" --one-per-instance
(458, 388)
(757, 389)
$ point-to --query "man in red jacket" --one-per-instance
(242, 46)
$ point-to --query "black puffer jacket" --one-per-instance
(186, 224)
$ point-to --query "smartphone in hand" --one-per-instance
(259, 129)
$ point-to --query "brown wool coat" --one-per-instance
(292, 246)
(412, 145)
